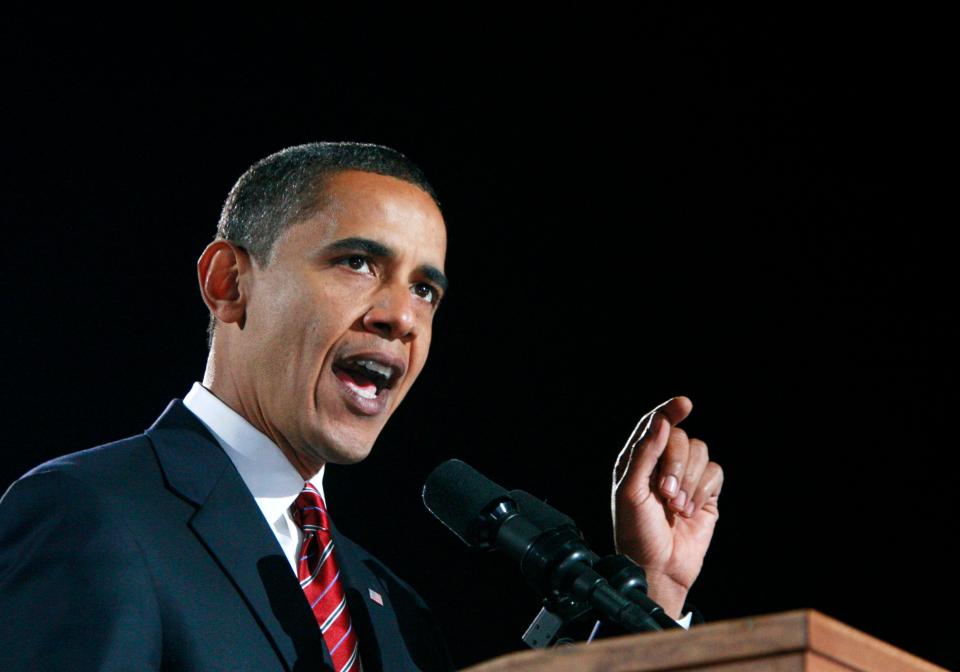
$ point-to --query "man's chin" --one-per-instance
(340, 433)
(347, 449)
(348, 457)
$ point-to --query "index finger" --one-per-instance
(675, 409)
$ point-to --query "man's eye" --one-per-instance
(426, 291)
(357, 262)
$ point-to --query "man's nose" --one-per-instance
(391, 315)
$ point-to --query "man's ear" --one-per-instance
(218, 270)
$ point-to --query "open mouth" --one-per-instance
(368, 375)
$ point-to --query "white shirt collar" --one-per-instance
(265, 470)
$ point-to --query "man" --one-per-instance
(205, 543)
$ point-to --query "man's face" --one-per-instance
(338, 323)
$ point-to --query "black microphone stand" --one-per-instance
(559, 566)
(578, 586)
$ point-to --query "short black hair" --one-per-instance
(287, 187)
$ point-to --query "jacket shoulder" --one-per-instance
(111, 464)
(72, 572)
(115, 454)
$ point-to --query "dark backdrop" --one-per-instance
(744, 207)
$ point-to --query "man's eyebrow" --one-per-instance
(376, 249)
(371, 247)
(436, 276)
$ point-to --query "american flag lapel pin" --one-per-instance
(375, 596)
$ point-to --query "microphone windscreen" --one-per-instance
(539, 512)
(457, 494)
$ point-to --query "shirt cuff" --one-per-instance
(684, 621)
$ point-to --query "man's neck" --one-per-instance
(224, 389)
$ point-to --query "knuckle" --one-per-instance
(700, 446)
(712, 481)
(673, 467)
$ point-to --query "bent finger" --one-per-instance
(697, 460)
(646, 444)
(676, 409)
(710, 485)
(643, 456)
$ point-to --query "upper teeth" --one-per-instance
(376, 367)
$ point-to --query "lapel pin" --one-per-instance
(375, 596)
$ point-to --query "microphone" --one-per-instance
(546, 543)
(463, 499)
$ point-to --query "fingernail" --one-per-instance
(670, 485)
(680, 500)
(688, 509)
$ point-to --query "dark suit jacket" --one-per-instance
(151, 553)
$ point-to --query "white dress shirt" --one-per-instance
(267, 473)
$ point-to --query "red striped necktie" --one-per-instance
(320, 580)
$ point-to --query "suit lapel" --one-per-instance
(375, 622)
(231, 526)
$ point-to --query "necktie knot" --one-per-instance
(309, 511)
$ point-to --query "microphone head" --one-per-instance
(458, 496)
(539, 512)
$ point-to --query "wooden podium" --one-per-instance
(787, 642)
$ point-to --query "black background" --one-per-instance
(746, 207)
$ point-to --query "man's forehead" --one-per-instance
(368, 190)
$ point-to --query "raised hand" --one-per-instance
(664, 501)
